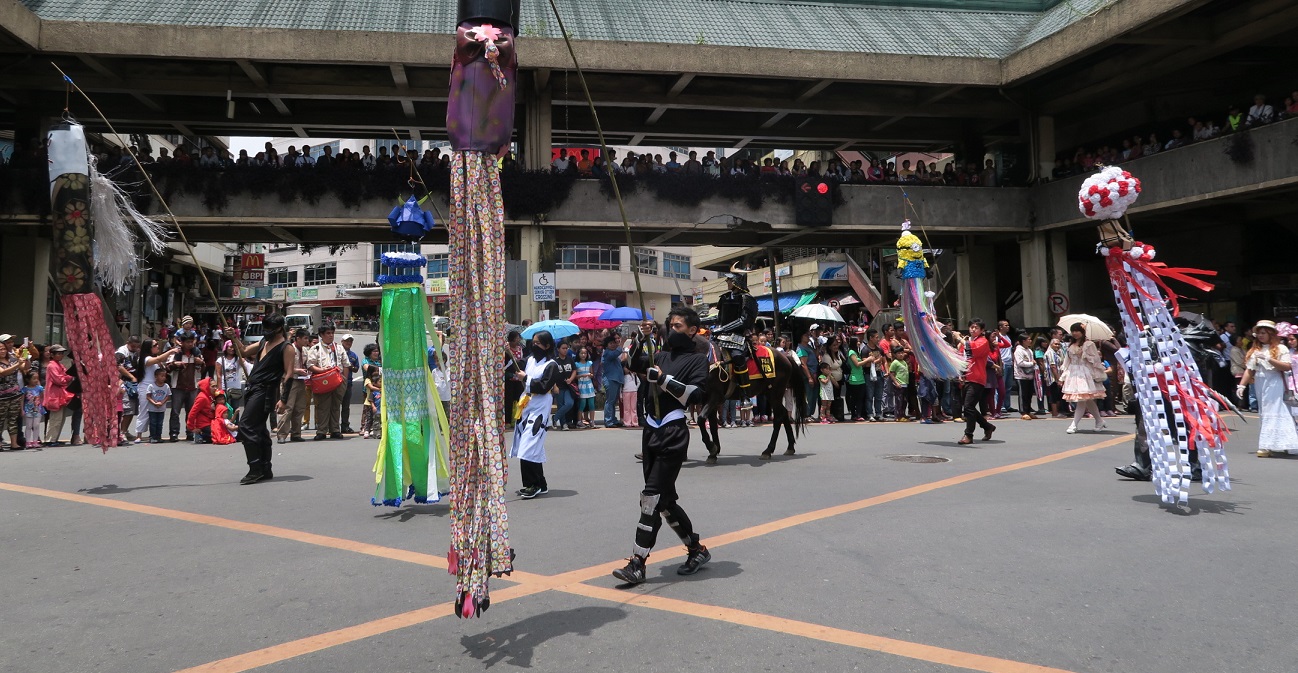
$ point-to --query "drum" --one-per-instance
(326, 381)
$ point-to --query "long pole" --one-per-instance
(775, 289)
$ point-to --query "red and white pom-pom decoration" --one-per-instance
(1107, 194)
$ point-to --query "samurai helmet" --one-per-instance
(737, 276)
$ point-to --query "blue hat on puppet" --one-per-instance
(411, 222)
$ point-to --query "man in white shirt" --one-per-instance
(322, 357)
(367, 159)
(561, 162)
(1260, 113)
(289, 427)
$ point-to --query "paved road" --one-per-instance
(1026, 549)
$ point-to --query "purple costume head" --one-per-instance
(480, 109)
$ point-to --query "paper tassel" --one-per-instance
(115, 240)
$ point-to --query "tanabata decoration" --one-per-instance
(937, 358)
(1178, 410)
(480, 124)
(411, 222)
(92, 241)
(412, 456)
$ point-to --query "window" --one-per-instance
(439, 266)
(590, 257)
(676, 266)
(320, 274)
(646, 261)
(281, 277)
(381, 248)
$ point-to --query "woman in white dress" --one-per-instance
(539, 378)
(1265, 368)
(1083, 378)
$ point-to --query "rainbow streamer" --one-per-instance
(937, 359)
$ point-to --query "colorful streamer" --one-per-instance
(937, 359)
(412, 453)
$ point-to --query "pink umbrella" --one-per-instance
(590, 320)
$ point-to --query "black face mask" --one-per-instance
(539, 352)
(679, 340)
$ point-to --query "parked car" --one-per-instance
(254, 333)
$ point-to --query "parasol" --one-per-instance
(559, 329)
(623, 314)
(817, 312)
(593, 306)
(590, 320)
(1096, 329)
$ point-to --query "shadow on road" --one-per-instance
(516, 643)
(749, 460)
(407, 513)
(1195, 506)
(714, 570)
(114, 489)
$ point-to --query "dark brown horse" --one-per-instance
(787, 375)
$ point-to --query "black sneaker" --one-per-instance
(543, 490)
(633, 573)
(530, 492)
(695, 557)
(255, 474)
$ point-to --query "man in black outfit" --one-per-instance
(672, 384)
(736, 315)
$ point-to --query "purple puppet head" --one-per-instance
(484, 72)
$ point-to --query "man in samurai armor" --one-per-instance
(736, 314)
(672, 381)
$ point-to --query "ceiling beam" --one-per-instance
(399, 76)
(655, 115)
(408, 108)
(637, 139)
(107, 72)
(743, 142)
(774, 119)
(886, 123)
(681, 82)
(812, 90)
(262, 82)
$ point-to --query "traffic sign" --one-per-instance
(1058, 303)
(543, 288)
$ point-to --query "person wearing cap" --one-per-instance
(185, 368)
(355, 363)
(57, 396)
(322, 357)
(736, 315)
(12, 371)
(1266, 365)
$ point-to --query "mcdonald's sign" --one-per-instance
(251, 261)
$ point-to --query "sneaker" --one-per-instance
(543, 490)
(695, 557)
(529, 492)
(1072, 429)
(633, 572)
(255, 474)
(927, 421)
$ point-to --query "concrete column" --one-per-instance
(976, 281)
(1043, 265)
(1045, 146)
(530, 251)
(538, 120)
(24, 273)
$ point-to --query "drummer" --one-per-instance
(322, 358)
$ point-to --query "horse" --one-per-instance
(786, 375)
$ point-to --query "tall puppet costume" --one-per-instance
(92, 241)
(480, 123)
(412, 454)
(1177, 408)
(936, 357)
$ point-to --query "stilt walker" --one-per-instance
(936, 357)
(1177, 408)
(92, 241)
(480, 123)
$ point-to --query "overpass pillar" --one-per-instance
(538, 123)
(1045, 146)
(975, 268)
(1044, 273)
(25, 270)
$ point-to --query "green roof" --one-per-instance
(968, 28)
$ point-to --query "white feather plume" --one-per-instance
(115, 239)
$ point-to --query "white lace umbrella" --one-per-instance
(817, 312)
(1096, 329)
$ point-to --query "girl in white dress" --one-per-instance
(1083, 378)
(539, 378)
(1265, 367)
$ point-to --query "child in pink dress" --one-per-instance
(629, 391)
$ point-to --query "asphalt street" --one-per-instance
(1026, 553)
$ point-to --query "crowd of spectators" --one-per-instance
(1172, 136)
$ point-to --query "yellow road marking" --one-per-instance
(828, 634)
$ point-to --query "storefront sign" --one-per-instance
(252, 261)
(437, 286)
(780, 272)
(299, 293)
(831, 271)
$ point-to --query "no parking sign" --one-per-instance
(1058, 303)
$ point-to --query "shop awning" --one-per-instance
(788, 301)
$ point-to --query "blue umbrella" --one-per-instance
(411, 222)
(559, 329)
(592, 306)
(624, 313)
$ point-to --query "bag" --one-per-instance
(234, 394)
(326, 381)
